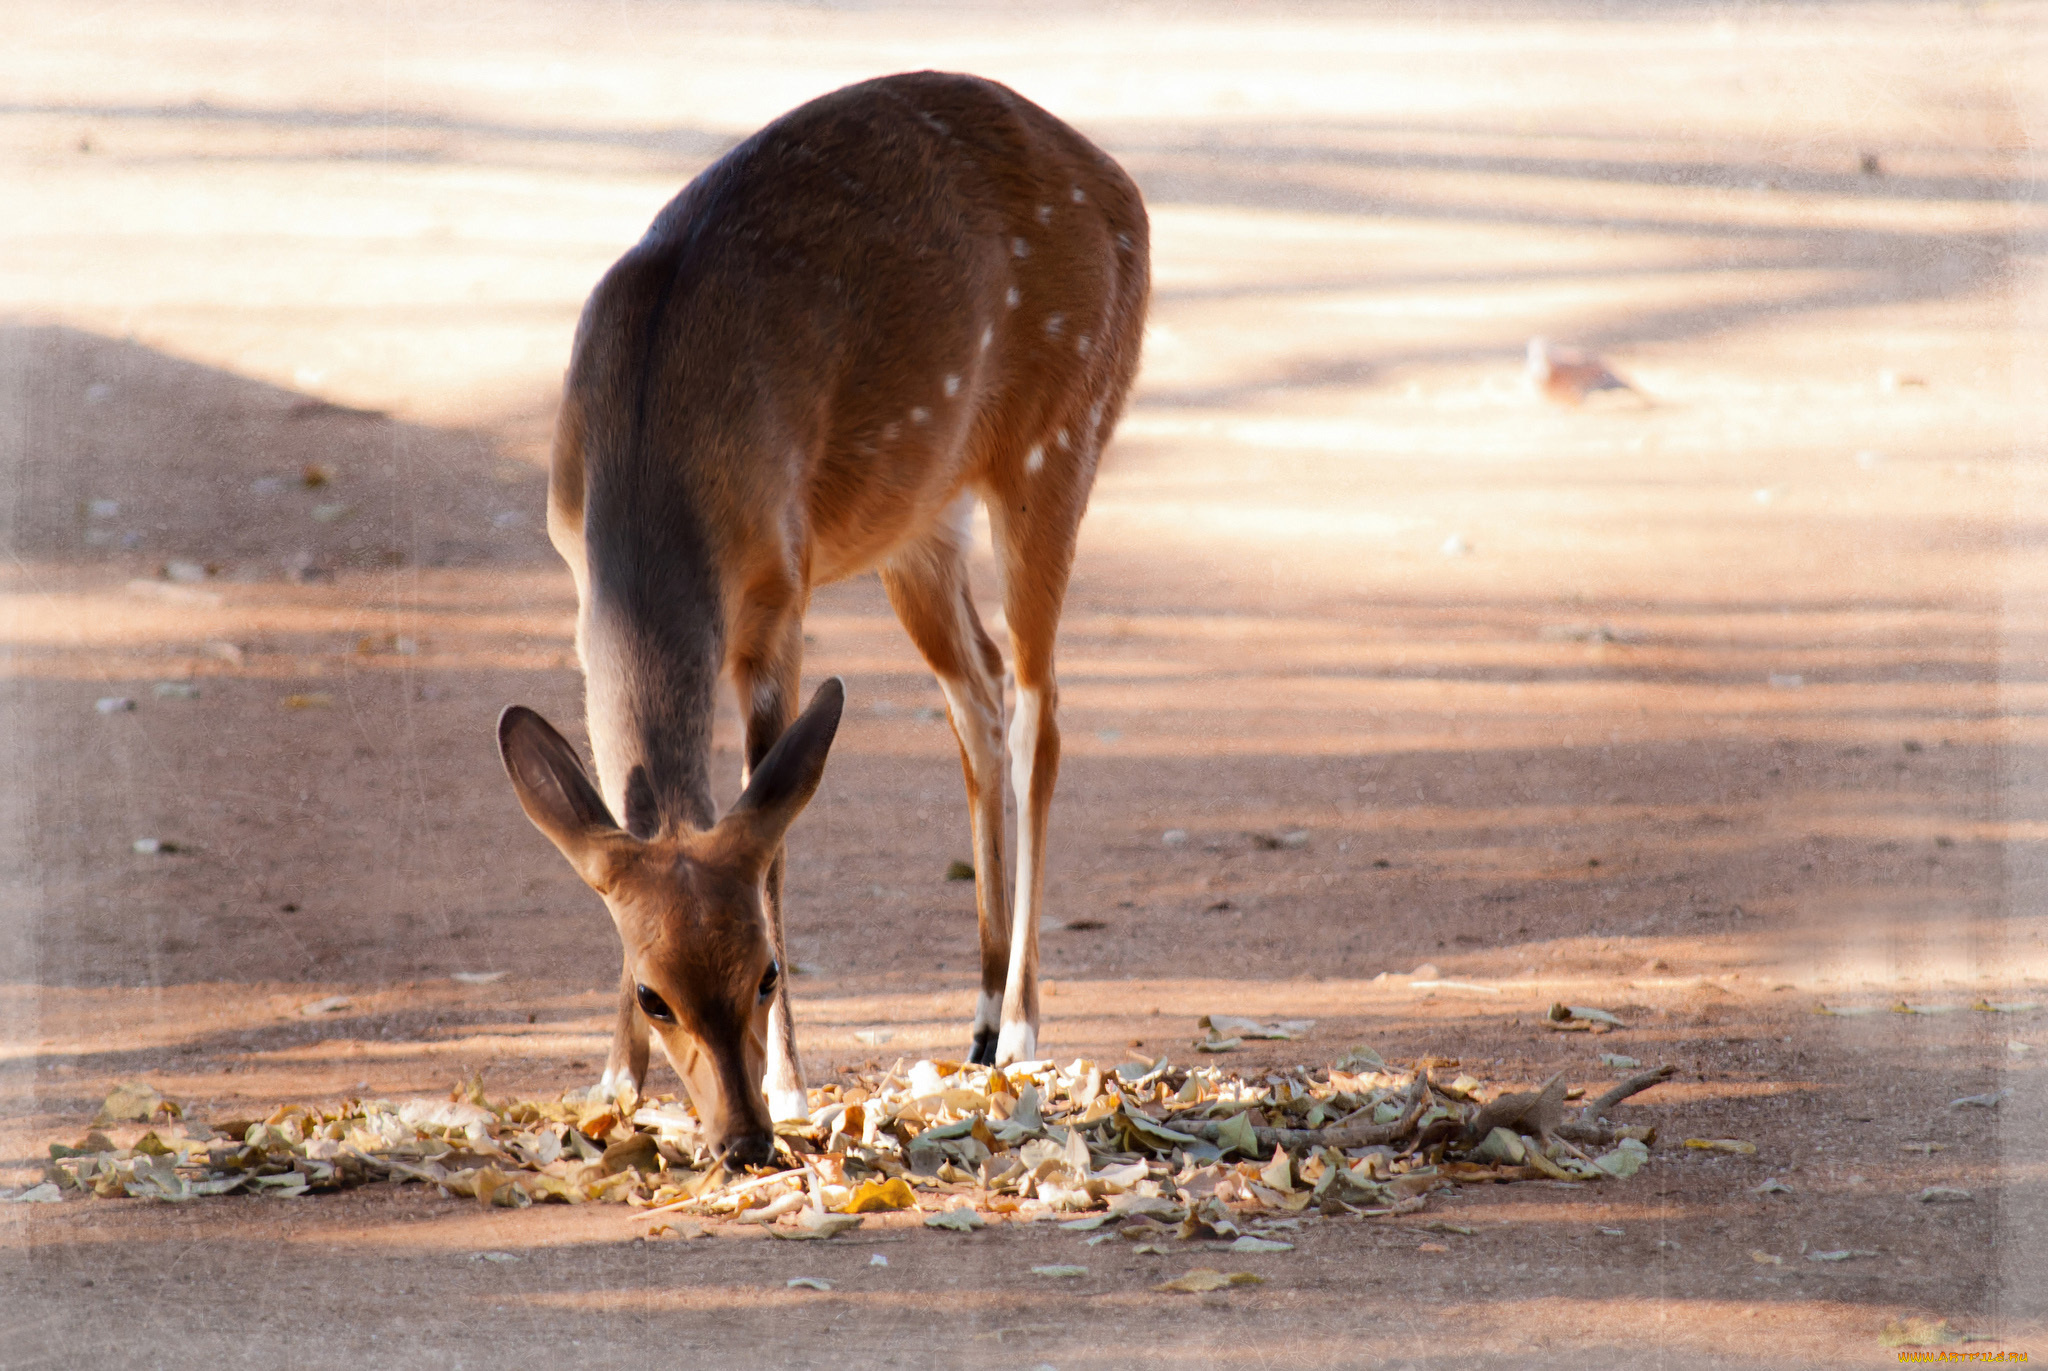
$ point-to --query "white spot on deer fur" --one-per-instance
(920, 415)
(1095, 415)
(891, 431)
(1013, 298)
(1053, 324)
(1059, 439)
(1045, 214)
(988, 334)
(1019, 248)
(1123, 240)
(1083, 343)
(952, 386)
(1077, 195)
(1034, 459)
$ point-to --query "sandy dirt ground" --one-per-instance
(1711, 709)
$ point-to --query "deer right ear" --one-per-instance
(557, 795)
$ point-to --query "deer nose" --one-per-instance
(752, 1149)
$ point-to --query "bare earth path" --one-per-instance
(1708, 710)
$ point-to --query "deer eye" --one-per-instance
(770, 978)
(652, 1005)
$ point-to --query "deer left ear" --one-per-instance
(788, 776)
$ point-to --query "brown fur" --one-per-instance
(808, 368)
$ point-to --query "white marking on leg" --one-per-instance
(1019, 1038)
(1034, 459)
(952, 386)
(783, 1086)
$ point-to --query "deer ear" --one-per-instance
(788, 776)
(557, 795)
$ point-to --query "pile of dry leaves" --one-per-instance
(1156, 1150)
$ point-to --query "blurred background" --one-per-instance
(1735, 671)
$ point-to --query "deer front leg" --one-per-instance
(626, 1063)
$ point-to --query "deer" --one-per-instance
(904, 299)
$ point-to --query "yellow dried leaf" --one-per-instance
(1202, 1280)
(1735, 1145)
(874, 1197)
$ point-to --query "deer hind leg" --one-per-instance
(1034, 533)
(768, 682)
(928, 586)
(626, 1064)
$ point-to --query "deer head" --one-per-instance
(689, 906)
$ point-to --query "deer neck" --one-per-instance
(652, 635)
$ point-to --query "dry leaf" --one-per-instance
(1765, 1258)
(1918, 1332)
(1059, 1272)
(1202, 1280)
(875, 1197)
(1248, 1243)
(1735, 1145)
(808, 1283)
(1944, 1194)
(811, 1224)
(961, 1220)
(135, 1102)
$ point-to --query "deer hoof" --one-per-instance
(983, 1053)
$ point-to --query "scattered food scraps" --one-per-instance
(44, 1193)
(874, 1037)
(1058, 1272)
(808, 1283)
(332, 1004)
(1771, 1186)
(311, 699)
(1844, 1254)
(1148, 1152)
(1762, 1258)
(477, 977)
(1735, 1145)
(113, 704)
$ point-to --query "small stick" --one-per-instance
(1634, 1085)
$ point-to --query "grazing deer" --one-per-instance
(904, 297)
